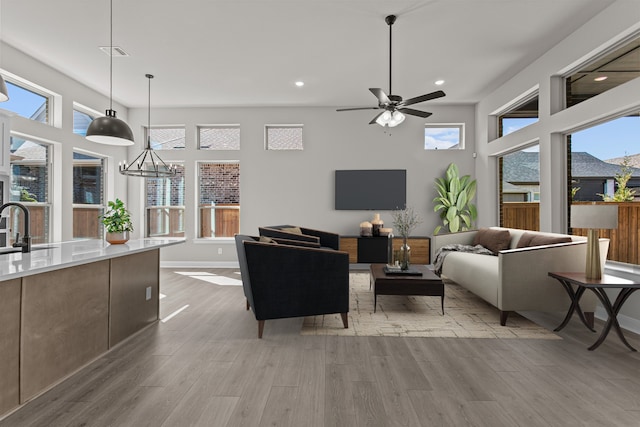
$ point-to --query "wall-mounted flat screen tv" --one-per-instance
(381, 189)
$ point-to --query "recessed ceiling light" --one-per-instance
(439, 82)
(600, 79)
(299, 83)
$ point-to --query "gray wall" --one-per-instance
(297, 187)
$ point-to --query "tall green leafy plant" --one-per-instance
(453, 203)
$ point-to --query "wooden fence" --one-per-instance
(226, 217)
(624, 240)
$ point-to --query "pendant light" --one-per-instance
(148, 164)
(109, 129)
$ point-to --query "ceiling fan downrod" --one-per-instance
(390, 20)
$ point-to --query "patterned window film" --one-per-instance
(283, 137)
(220, 137)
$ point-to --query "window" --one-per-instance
(222, 137)
(30, 182)
(520, 189)
(82, 118)
(444, 137)
(28, 102)
(167, 138)
(165, 205)
(615, 67)
(596, 156)
(283, 137)
(523, 113)
(219, 205)
(88, 196)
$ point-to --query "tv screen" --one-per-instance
(371, 189)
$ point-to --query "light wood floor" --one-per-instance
(206, 367)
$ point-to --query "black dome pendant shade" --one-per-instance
(109, 129)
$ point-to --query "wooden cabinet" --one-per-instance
(65, 324)
(9, 344)
(134, 293)
(374, 249)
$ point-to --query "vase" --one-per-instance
(405, 255)
(117, 238)
(376, 224)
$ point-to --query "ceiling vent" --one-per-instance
(114, 51)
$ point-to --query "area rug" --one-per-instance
(466, 316)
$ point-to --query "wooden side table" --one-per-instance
(597, 286)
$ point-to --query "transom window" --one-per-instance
(520, 115)
(28, 102)
(82, 118)
(283, 137)
(613, 68)
(167, 138)
(220, 137)
(444, 136)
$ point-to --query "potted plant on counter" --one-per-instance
(117, 222)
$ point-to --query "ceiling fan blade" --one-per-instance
(382, 97)
(376, 117)
(411, 111)
(357, 108)
(427, 97)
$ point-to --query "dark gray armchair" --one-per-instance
(281, 280)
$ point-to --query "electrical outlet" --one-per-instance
(219, 251)
(148, 293)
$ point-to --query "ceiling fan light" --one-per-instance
(384, 118)
(397, 118)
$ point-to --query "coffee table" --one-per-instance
(429, 284)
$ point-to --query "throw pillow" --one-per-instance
(533, 239)
(265, 239)
(492, 239)
(294, 230)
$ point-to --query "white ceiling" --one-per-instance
(250, 52)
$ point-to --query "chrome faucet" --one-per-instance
(25, 243)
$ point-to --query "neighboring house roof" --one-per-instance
(523, 167)
(30, 151)
(512, 189)
(634, 160)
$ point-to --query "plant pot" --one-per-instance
(117, 238)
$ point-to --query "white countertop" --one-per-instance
(54, 256)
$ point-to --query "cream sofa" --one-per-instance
(516, 279)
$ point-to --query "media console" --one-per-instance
(369, 250)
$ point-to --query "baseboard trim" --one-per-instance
(629, 323)
(199, 264)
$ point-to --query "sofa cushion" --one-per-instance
(492, 239)
(535, 239)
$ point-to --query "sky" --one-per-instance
(616, 138)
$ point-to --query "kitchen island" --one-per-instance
(65, 304)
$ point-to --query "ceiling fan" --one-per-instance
(394, 107)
